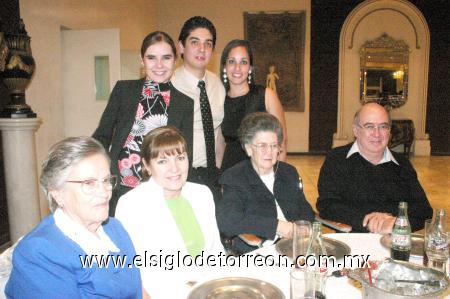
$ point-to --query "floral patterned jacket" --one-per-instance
(119, 115)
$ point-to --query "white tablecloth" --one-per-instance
(360, 244)
(337, 288)
(365, 244)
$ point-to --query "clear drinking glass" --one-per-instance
(303, 286)
(436, 251)
(300, 241)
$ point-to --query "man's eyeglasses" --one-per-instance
(90, 186)
(383, 128)
(264, 147)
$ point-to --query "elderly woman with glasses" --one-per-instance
(61, 257)
(261, 196)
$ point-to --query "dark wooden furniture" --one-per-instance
(402, 133)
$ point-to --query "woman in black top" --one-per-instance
(244, 97)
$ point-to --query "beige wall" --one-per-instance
(227, 16)
(134, 19)
(82, 110)
(401, 21)
(43, 20)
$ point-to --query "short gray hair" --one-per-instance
(61, 158)
(259, 122)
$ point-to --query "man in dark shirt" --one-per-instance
(362, 183)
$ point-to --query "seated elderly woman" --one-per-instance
(47, 263)
(261, 196)
(166, 216)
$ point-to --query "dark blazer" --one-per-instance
(118, 118)
(249, 207)
(119, 115)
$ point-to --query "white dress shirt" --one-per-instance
(387, 155)
(187, 83)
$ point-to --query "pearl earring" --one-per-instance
(249, 76)
(224, 75)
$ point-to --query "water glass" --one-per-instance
(435, 257)
(307, 285)
(300, 241)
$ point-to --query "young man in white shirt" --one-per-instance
(196, 44)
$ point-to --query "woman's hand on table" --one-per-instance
(381, 223)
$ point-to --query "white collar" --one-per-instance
(387, 155)
(88, 241)
(193, 79)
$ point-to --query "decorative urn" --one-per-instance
(17, 74)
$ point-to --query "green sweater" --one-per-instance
(187, 224)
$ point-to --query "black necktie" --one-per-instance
(208, 127)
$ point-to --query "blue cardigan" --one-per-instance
(46, 264)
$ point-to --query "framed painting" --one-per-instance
(278, 44)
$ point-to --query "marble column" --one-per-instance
(22, 192)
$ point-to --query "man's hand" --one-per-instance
(285, 229)
(381, 223)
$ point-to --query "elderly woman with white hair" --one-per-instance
(48, 262)
(261, 196)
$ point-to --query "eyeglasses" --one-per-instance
(264, 147)
(90, 186)
(383, 128)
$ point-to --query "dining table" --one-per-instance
(275, 274)
(336, 287)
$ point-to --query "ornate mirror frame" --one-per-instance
(384, 72)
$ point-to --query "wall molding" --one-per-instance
(385, 9)
(347, 96)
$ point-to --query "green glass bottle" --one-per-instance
(401, 234)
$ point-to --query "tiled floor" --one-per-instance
(433, 173)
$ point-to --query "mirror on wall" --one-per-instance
(384, 72)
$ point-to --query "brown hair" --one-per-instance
(156, 37)
(226, 51)
(167, 140)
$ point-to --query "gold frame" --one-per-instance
(384, 57)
